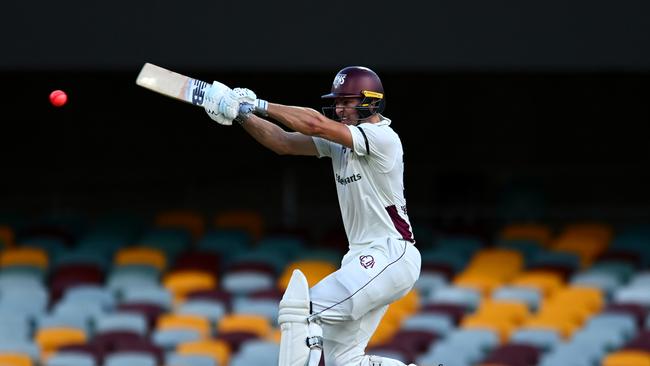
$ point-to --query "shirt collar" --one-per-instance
(383, 121)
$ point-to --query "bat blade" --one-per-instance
(172, 84)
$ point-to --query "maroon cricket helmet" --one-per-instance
(357, 82)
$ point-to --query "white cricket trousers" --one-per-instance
(351, 301)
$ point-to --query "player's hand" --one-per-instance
(244, 95)
(220, 104)
(249, 104)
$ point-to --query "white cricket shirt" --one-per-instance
(369, 182)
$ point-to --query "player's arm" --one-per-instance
(311, 123)
(278, 140)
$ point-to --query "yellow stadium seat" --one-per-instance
(627, 358)
(575, 314)
(189, 220)
(314, 270)
(15, 359)
(514, 312)
(215, 349)
(250, 221)
(502, 264)
(537, 232)
(24, 256)
(184, 321)
(141, 256)
(600, 231)
(546, 282)
(501, 327)
(7, 236)
(484, 284)
(589, 297)
(180, 283)
(51, 339)
(255, 324)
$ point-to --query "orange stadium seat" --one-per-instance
(217, 350)
(182, 282)
(250, 221)
(255, 324)
(537, 232)
(314, 270)
(6, 237)
(185, 321)
(515, 312)
(627, 358)
(15, 359)
(51, 339)
(483, 283)
(546, 282)
(189, 220)
(502, 327)
(24, 256)
(141, 256)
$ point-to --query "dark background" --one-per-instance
(507, 110)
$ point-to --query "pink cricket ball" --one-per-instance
(58, 98)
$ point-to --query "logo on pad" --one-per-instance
(367, 261)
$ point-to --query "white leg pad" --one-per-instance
(298, 335)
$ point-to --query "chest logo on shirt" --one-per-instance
(367, 261)
(351, 179)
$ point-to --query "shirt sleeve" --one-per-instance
(379, 146)
(323, 146)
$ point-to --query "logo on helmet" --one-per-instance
(339, 80)
(367, 261)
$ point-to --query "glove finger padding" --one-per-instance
(217, 106)
(244, 95)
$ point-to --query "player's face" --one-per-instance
(345, 110)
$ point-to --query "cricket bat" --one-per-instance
(172, 84)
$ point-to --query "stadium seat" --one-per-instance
(50, 339)
(546, 282)
(182, 282)
(122, 321)
(168, 339)
(539, 233)
(144, 256)
(191, 221)
(243, 282)
(70, 359)
(24, 256)
(184, 321)
(159, 296)
(544, 339)
(217, 350)
(255, 324)
(313, 270)
(211, 310)
(174, 359)
(437, 323)
(202, 261)
(265, 307)
(15, 359)
(250, 221)
(129, 359)
(21, 347)
(627, 358)
(256, 352)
